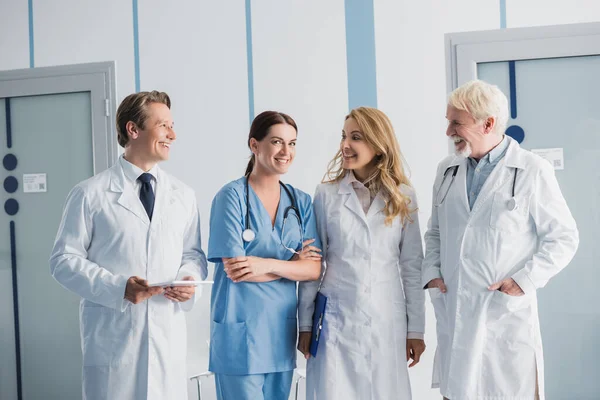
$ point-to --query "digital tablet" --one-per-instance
(180, 283)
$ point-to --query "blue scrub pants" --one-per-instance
(272, 386)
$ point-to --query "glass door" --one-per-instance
(49, 141)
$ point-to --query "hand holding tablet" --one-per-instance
(180, 283)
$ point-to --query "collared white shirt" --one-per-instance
(365, 197)
(132, 173)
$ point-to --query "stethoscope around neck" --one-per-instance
(248, 234)
(511, 204)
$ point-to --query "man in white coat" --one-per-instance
(122, 230)
(499, 230)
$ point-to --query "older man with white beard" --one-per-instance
(499, 230)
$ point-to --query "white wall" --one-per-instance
(196, 51)
(14, 35)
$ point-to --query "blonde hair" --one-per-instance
(388, 174)
(481, 100)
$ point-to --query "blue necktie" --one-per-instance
(146, 193)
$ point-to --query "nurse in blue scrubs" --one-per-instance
(263, 239)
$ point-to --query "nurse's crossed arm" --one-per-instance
(239, 266)
(308, 252)
(304, 266)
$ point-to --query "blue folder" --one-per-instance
(317, 326)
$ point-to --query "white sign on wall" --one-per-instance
(34, 183)
(554, 156)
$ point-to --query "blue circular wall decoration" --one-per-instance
(516, 132)
(11, 184)
(11, 206)
(10, 162)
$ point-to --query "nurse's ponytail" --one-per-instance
(250, 166)
(260, 129)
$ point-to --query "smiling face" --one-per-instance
(358, 155)
(471, 138)
(276, 151)
(151, 143)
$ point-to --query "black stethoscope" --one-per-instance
(511, 204)
(248, 235)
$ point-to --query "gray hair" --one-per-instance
(482, 100)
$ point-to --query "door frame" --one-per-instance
(465, 50)
(97, 78)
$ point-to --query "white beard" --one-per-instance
(465, 152)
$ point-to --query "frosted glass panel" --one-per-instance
(558, 106)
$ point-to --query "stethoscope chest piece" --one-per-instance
(512, 204)
(248, 235)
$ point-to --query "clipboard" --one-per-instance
(317, 326)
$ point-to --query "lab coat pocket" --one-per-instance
(505, 219)
(509, 342)
(509, 317)
(173, 223)
(438, 300)
(229, 344)
(105, 335)
(435, 293)
(505, 303)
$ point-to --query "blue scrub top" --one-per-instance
(253, 325)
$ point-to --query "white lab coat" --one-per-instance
(374, 298)
(489, 343)
(129, 351)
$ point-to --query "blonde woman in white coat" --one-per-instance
(367, 219)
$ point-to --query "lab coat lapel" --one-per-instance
(462, 185)
(128, 198)
(459, 187)
(376, 206)
(514, 155)
(350, 199)
(164, 197)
